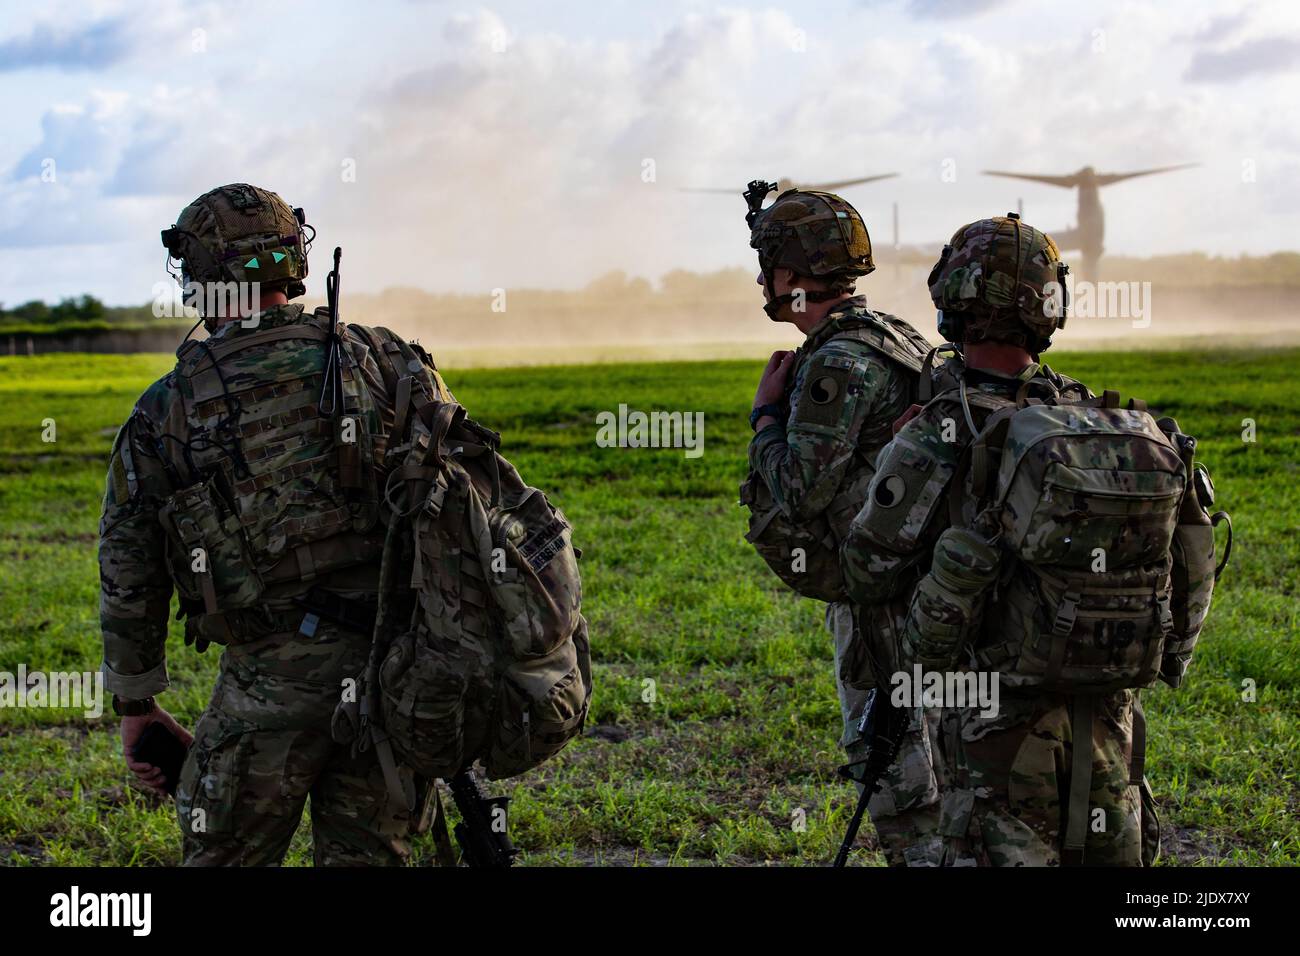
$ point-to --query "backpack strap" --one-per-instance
(449, 425)
(394, 373)
(925, 384)
(1076, 819)
(442, 848)
(898, 349)
(1137, 767)
(978, 458)
(889, 336)
(1109, 398)
(403, 366)
(440, 417)
(1215, 520)
(401, 791)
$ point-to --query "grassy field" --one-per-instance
(742, 729)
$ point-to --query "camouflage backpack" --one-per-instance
(806, 555)
(491, 662)
(1090, 565)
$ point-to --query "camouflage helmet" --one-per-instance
(241, 233)
(1000, 279)
(814, 233)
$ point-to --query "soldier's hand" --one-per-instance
(132, 728)
(771, 387)
(906, 417)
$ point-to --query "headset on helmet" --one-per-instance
(241, 233)
(1002, 279)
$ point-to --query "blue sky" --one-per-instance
(504, 145)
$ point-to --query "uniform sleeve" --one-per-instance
(135, 583)
(835, 394)
(889, 542)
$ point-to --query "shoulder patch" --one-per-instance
(826, 387)
(904, 494)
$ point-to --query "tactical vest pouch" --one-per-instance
(947, 605)
(211, 557)
(805, 555)
(423, 683)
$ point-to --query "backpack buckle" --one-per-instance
(1066, 614)
(1166, 612)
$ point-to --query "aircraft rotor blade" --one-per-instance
(1105, 179)
(1069, 181)
(843, 183)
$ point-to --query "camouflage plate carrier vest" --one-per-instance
(491, 662)
(1090, 565)
(278, 494)
(774, 534)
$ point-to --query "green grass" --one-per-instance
(743, 726)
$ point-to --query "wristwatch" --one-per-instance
(760, 411)
(133, 708)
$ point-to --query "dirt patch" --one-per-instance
(610, 733)
(22, 850)
(1193, 846)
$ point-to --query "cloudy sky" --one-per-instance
(466, 147)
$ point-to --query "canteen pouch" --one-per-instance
(947, 605)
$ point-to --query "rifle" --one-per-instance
(883, 725)
(331, 391)
(331, 403)
(483, 842)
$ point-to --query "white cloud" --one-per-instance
(498, 150)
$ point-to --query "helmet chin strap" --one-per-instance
(776, 302)
(773, 308)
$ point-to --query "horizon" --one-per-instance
(656, 283)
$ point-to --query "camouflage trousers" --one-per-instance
(905, 811)
(263, 748)
(1009, 795)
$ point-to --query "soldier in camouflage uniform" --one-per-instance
(820, 416)
(248, 480)
(1008, 798)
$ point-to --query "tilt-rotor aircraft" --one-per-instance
(1089, 232)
